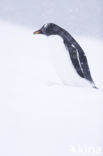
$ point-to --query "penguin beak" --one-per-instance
(37, 32)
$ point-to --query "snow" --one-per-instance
(39, 116)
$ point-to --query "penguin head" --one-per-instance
(48, 29)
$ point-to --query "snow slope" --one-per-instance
(39, 116)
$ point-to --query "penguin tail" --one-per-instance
(94, 86)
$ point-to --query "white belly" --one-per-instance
(62, 63)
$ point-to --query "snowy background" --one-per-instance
(77, 16)
(39, 116)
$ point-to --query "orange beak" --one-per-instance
(36, 32)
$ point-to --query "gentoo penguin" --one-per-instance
(71, 64)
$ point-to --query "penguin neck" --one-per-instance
(68, 39)
(66, 36)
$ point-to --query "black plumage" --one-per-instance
(76, 53)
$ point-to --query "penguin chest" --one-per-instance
(61, 61)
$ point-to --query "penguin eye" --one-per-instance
(49, 29)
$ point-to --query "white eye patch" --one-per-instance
(45, 25)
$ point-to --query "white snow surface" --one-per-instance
(39, 116)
